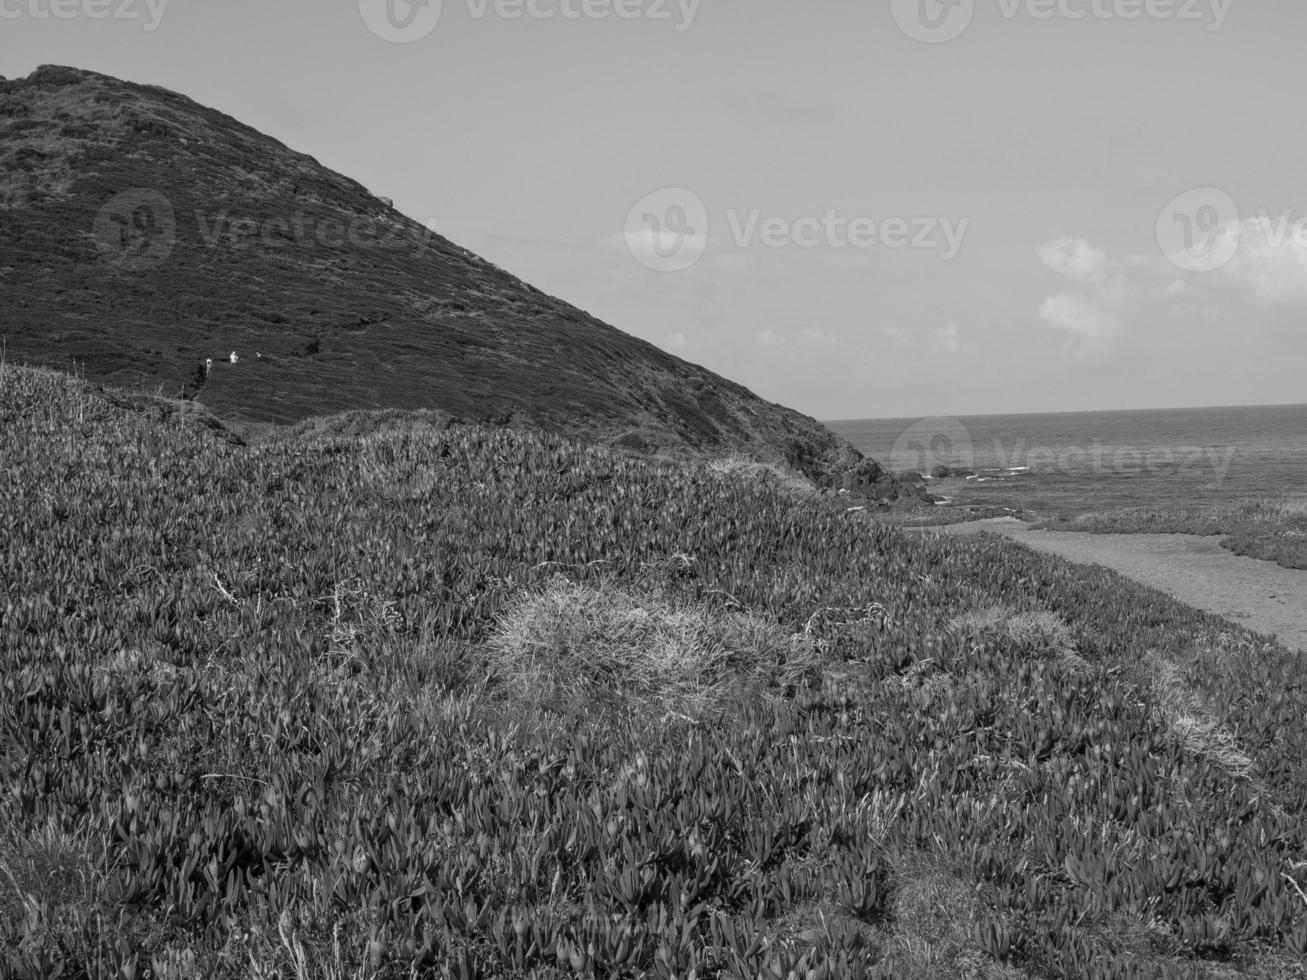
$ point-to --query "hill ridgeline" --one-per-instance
(145, 234)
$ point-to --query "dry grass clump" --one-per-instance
(573, 644)
(45, 866)
(1191, 720)
(935, 914)
(50, 878)
(1041, 629)
(739, 466)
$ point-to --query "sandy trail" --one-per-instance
(1260, 595)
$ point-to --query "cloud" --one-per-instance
(1270, 266)
(1145, 300)
(1074, 258)
(677, 341)
(1089, 324)
(656, 248)
(948, 340)
(1091, 320)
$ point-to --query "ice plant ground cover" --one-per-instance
(472, 702)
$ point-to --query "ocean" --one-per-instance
(1078, 462)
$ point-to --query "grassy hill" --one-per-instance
(142, 233)
(464, 701)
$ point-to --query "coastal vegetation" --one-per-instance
(453, 701)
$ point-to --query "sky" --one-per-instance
(857, 208)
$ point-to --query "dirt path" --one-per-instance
(1260, 595)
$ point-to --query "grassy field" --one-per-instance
(1274, 529)
(459, 702)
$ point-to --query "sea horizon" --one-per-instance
(1077, 411)
(1068, 463)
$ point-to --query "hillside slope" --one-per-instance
(143, 233)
